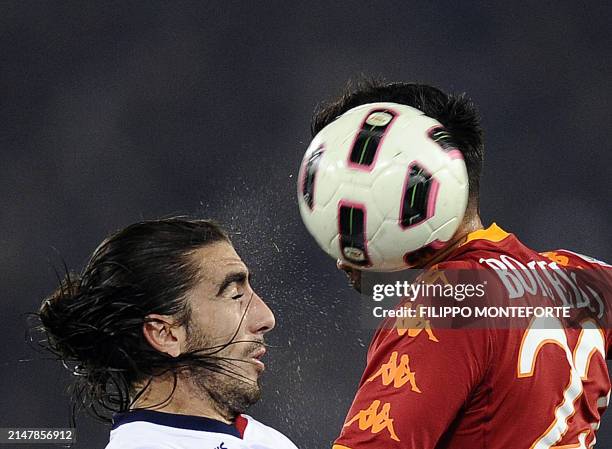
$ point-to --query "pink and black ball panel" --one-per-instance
(352, 233)
(309, 173)
(369, 138)
(443, 138)
(418, 196)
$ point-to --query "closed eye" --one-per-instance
(239, 278)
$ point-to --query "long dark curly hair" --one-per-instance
(93, 322)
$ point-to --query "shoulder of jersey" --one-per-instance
(139, 438)
(487, 241)
(266, 435)
(566, 257)
(145, 435)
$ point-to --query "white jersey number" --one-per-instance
(550, 331)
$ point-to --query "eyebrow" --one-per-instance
(236, 276)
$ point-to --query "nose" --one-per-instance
(261, 318)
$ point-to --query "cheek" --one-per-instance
(219, 321)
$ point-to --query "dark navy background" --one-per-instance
(111, 112)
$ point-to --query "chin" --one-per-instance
(231, 394)
(241, 399)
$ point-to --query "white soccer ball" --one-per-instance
(381, 182)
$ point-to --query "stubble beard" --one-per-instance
(232, 390)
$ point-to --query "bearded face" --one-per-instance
(233, 384)
(226, 328)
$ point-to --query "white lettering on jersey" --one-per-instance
(546, 279)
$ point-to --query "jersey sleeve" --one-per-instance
(416, 382)
(260, 436)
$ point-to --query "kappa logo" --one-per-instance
(413, 327)
(374, 420)
(397, 373)
(221, 446)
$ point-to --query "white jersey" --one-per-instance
(147, 429)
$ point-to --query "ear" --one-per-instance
(163, 334)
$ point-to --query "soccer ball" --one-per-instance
(381, 184)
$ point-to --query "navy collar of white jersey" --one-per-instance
(189, 422)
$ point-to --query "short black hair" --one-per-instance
(93, 322)
(457, 113)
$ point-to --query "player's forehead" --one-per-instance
(217, 260)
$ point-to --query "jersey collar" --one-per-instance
(181, 422)
(493, 234)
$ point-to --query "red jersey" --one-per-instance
(524, 388)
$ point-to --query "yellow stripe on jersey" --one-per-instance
(493, 234)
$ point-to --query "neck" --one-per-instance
(184, 400)
(469, 224)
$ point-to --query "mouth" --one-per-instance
(256, 358)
